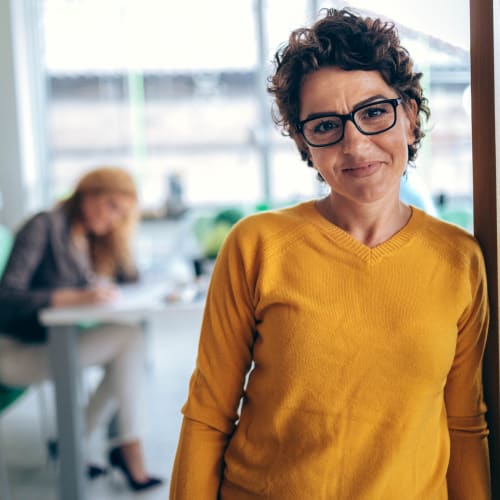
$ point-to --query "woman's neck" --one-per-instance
(369, 223)
(79, 236)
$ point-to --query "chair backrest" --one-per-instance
(9, 395)
(6, 242)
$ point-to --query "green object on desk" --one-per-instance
(214, 238)
(211, 231)
(87, 325)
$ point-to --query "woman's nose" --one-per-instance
(353, 139)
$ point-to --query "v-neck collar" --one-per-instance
(350, 244)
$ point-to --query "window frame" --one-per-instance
(483, 28)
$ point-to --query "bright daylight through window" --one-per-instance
(187, 112)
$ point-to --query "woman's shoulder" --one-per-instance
(277, 219)
(442, 229)
(276, 228)
(272, 223)
(44, 219)
(35, 223)
(450, 239)
(42, 225)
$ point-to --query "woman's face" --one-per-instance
(360, 168)
(104, 212)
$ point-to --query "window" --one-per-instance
(154, 87)
(151, 85)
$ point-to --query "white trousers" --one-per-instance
(118, 349)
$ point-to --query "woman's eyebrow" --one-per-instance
(368, 100)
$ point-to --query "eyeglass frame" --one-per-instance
(395, 102)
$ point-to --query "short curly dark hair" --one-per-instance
(345, 39)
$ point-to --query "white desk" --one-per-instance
(135, 303)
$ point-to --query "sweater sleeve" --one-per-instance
(198, 464)
(16, 296)
(468, 472)
(216, 386)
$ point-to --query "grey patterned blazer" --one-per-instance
(42, 259)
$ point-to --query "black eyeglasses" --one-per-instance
(326, 129)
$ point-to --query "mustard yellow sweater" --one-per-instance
(366, 366)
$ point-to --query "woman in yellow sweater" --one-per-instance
(341, 347)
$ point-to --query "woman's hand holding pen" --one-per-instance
(98, 294)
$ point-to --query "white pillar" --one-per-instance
(263, 132)
(22, 132)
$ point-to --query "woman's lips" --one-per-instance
(363, 169)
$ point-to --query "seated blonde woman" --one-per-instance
(71, 255)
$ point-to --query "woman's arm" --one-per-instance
(469, 469)
(64, 297)
(16, 293)
(216, 387)
(16, 296)
(130, 276)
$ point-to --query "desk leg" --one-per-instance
(147, 334)
(63, 342)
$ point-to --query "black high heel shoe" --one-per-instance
(116, 460)
(94, 471)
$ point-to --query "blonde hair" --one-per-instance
(111, 253)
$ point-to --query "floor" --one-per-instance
(171, 355)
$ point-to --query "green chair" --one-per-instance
(8, 395)
(6, 241)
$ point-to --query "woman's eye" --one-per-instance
(325, 126)
(374, 112)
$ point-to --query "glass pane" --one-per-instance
(291, 179)
(137, 84)
(441, 51)
(146, 85)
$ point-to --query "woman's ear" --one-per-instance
(303, 148)
(411, 111)
(304, 153)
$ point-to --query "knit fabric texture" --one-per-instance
(330, 370)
